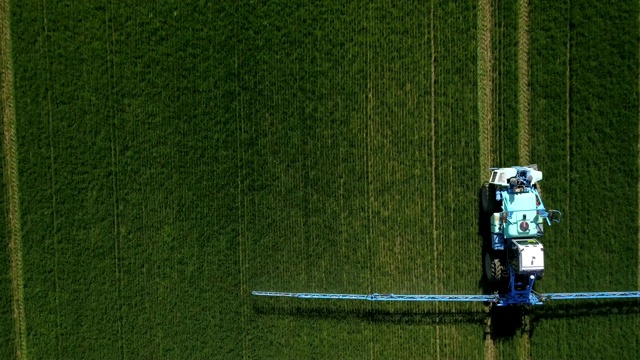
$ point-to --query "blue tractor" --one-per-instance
(514, 257)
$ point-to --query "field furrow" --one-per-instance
(10, 152)
(485, 83)
(485, 113)
(524, 94)
(524, 141)
(434, 219)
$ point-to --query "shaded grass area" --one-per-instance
(584, 126)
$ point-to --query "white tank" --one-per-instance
(527, 256)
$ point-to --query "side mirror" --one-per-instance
(555, 215)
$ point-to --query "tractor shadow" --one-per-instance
(371, 315)
(499, 323)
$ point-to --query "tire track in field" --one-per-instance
(485, 112)
(10, 149)
(524, 149)
(434, 224)
(489, 344)
(524, 95)
(485, 83)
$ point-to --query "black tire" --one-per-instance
(494, 268)
(488, 199)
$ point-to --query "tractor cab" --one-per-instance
(517, 178)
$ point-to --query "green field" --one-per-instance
(175, 155)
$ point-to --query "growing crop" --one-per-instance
(175, 156)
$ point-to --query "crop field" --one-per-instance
(175, 155)
(595, 149)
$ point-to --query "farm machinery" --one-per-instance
(513, 211)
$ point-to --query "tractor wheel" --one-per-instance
(494, 268)
(489, 203)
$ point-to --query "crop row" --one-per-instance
(585, 121)
(347, 170)
(174, 157)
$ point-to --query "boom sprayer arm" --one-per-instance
(381, 297)
(499, 300)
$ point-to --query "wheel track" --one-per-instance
(524, 95)
(434, 227)
(10, 149)
(485, 112)
(524, 149)
(485, 83)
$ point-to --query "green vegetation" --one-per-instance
(505, 45)
(177, 155)
(590, 165)
(7, 333)
(341, 174)
(130, 182)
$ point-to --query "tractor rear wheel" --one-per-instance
(494, 268)
(488, 197)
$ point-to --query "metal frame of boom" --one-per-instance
(531, 298)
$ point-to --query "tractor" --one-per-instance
(513, 208)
